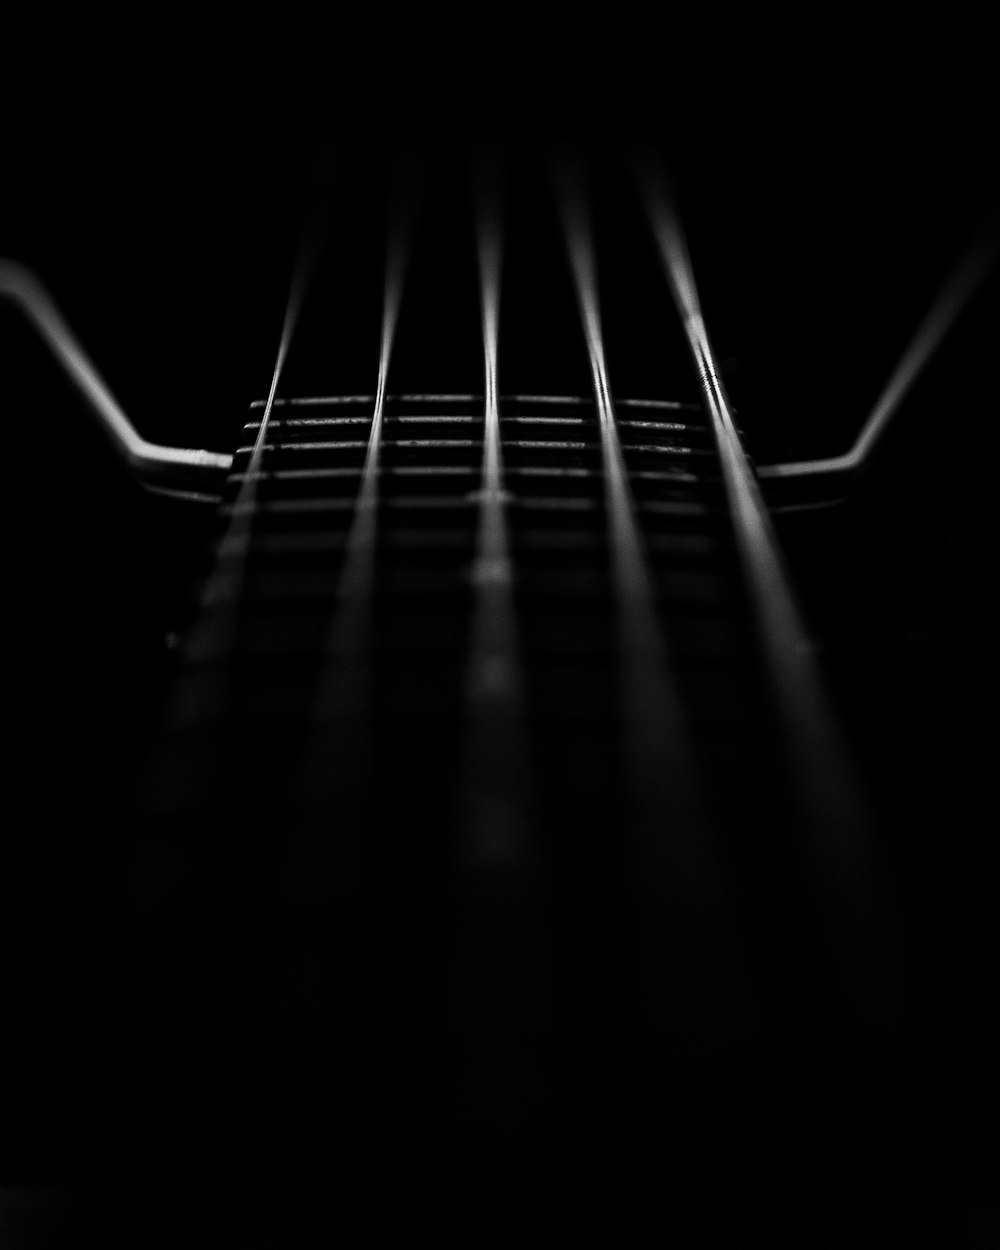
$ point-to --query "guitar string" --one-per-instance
(667, 809)
(495, 781)
(500, 963)
(342, 702)
(183, 771)
(688, 966)
(213, 632)
(835, 842)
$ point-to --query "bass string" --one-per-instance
(832, 825)
(211, 639)
(684, 938)
(494, 787)
(656, 746)
(184, 773)
(685, 959)
(341, 705)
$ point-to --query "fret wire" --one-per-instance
(833, 824)
(536, 401)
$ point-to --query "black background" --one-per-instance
(828, 180)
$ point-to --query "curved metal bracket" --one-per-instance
(817, 483)
(181, 472)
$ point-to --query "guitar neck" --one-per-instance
(445, 824)
(499, 806)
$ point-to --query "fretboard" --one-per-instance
(500, 843)
(537, 903)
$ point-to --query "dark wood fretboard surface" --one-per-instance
(546, 967)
